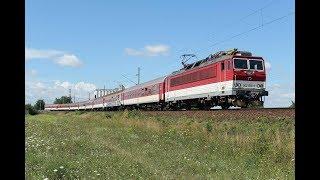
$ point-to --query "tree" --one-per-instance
(293, 105)
(39, 104)
(63, 100)
(30, 109)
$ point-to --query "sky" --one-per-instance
(84, 45)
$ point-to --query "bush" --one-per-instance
(30, 109)
(209, 127)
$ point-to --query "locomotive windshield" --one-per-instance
(256, 63)
(240, 64)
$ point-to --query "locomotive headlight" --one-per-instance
(260, 85)
(237, 85)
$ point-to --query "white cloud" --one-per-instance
(33, 72)
(30, 73)
(39, 85)
(49, 91)
(84, 86)
(274, 86)
(65, 84)
(288, 95)
(40, 54)
(157, 49)
(68, 60)
(267, 65)
(149, 50)
(280, 95)
(59, 57)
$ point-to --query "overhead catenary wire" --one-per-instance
(228, 25)
(246, 16)
(245, 32)
(233, 23)
(242, 33)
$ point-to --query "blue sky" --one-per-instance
(87, 44)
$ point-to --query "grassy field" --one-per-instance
(131, 145)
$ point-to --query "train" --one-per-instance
(226, 78)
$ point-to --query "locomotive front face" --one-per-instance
(249, 77)
(251, 71)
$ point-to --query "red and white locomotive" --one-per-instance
(227, 78)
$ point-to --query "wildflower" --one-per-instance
(61, 167)
(55, 170)
(46, 179)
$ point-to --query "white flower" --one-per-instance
(45, 178)
(61, 167)
(55, 170)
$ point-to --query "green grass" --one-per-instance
(130, 145)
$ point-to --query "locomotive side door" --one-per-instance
(222, 76)
(161, 91)
(223, 71)
(166, 89)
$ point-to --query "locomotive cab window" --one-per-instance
(222, 66)
(240, 64)
(256, 64)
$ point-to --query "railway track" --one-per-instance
(230, 113)
(222, 113)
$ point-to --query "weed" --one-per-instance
(131, 145)
(209, 127)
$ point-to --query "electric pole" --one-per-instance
(138, 75)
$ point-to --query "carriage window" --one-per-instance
(256, 63)
(222, 66)
(240, 64)
(229, 65)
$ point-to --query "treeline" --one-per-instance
(40, 104)
(33, 110)
(63, 100)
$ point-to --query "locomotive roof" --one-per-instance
(148, 83)
(201, 63)
(222, 55)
